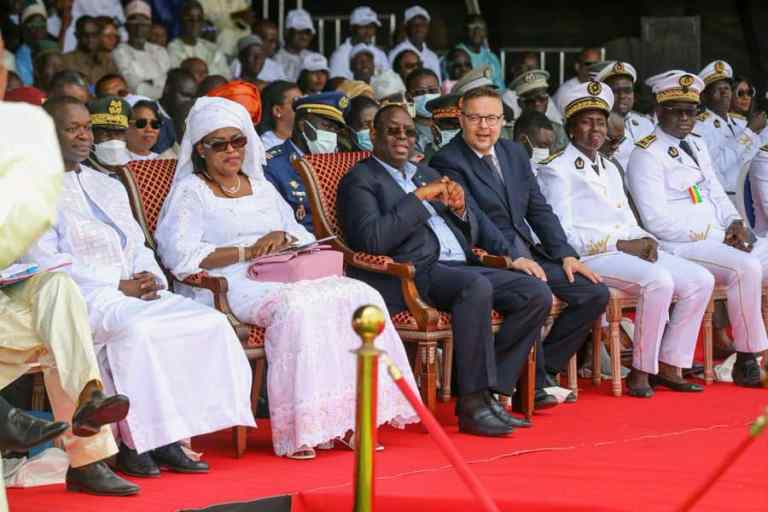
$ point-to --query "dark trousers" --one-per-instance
(483, 361)
(586, 301)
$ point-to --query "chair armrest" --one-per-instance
(491, 260)
(381, 265)
(219, 287)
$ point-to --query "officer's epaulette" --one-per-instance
(736, 115)
(695, 134)
(764, 147)
(645, 141)
(552, 157)
(275, 151)
(703, 116)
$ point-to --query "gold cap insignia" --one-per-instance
(579, 163)
(293, 184)
(717, 123)
(618, 67)
(673, 152)
(115, 107)
(719, 66)
(594, 88)
(487, 73)
(686, 80)
(529, 77)
(343, 102)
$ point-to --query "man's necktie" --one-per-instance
(687, 148)
(491, 161)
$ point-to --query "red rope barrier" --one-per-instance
(755, 430)
(441, 438)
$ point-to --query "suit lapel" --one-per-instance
(483, 171)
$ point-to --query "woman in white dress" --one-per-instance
(222, 213)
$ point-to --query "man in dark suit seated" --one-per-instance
(497, 176)
(389, 206)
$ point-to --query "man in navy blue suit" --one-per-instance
(496, 175)
(389, 206)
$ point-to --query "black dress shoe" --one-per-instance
(136, 464)
(640, 392)
(685, 387)
(503, 415)
(173, 458)
(20, 431)
(100, 410)
(746, 373)
(477, 417)
(98, 479)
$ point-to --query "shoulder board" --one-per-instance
(764, 148)
(703, 116)
(646, 141)
(736, 115)
(695, 134)
(275, 151)
(552, 157)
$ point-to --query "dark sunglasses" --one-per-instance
(142, 123)
(680, 112)
(395, 131)
(221, 145)
(616, 141)
(748, 93)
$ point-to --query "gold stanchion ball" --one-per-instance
(368, 322)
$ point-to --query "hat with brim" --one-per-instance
(109, 113)
(587, 96)
(530, 81)
(715, 71)
(445, 107)
(330, 105)
(604, 70)
(677, 86)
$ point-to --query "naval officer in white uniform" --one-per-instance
(586, 192)
(682, 203)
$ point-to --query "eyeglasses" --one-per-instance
(142, 123)
(745, 93)
(421, 92)
(682, 111)
(538, 98)
(616, 141)
(490, 119)
(623, 90)
(222, 145)
(395, 131)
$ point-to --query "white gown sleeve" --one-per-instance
(648, 188)
(179, 234)
(46, 252)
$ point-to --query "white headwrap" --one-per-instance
(210, 114)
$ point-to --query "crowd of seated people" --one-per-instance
(579, 193)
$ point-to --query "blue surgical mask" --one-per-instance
(421, 104)
(363, 138)
(447, 135)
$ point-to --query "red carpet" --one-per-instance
(602, 453)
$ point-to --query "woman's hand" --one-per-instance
(269, 243)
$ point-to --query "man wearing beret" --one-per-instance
(318, 124)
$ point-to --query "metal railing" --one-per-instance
(336, 22)
(558, 52)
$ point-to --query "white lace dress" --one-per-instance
(311, 376)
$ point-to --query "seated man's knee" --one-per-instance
(540, 297)
(479, 290)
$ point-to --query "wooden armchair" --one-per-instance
(421, 324)
(148, 183)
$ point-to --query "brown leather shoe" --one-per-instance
(96, 478)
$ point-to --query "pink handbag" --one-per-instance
(316, 263)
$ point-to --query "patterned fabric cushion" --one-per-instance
(153, 179)
(328, 171)
(372, 260)
(255, 337)
(404, 321)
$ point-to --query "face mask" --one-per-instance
(539, 154)
(363, 138)
(447, 135)
(112, 152)
(421, 104)
(325, 141)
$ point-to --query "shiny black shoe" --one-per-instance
(746, 373)
(503, 415)
(100, 410)
(173, 458)
(640, 392)
(98, 479)
(543, 400)
(477, 417)
(685, 387)
(136, 464)
(20, 431)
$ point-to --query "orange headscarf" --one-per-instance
(242, 92)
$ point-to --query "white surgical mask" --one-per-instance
(447, 136)
(325, 141)
(539, 154)
(420, 103)
(112, 152)
(364, 139)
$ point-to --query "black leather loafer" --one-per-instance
(100, 410)
(503, 415)
(640, 392)
(20, 431)
(747, 373)
(136, 464)
(98, 479)
(173, 458)
(685, 387)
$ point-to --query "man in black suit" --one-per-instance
(389, 206)
(497, 176)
